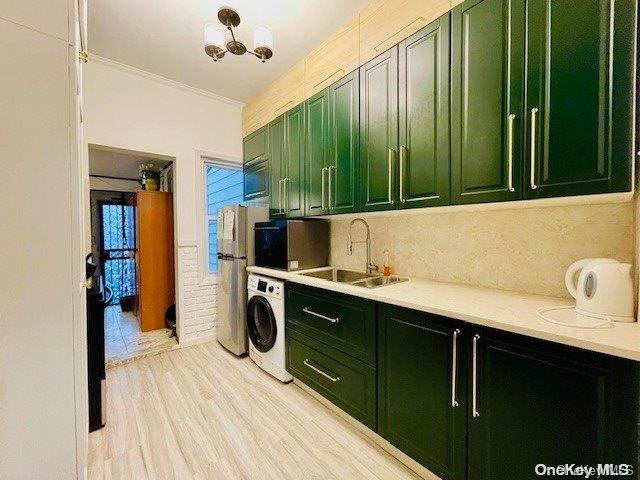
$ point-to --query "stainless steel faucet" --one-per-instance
(371, 267)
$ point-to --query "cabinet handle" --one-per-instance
(280, 196)
(534, 120)
(454, 366)
(403, 159)
(328, 77)
(377, 47)
(316, 369)
(319, 315)
(512, 119)
(474, 407)
(285, 183)
(331, 199)
(390, 157)
(324, 171)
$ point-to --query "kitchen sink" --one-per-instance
(338, 275)
(376, 282)
(358, 279)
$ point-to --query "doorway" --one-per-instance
(132, 238)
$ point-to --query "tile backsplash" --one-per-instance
(520, 249)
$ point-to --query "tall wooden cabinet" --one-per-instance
(154, 257)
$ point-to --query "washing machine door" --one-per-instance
(261, 324)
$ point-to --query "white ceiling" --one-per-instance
(166, 38)
(120, 163)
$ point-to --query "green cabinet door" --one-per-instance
(344, 146)
(256, 180)
(579, 123)
(379, 132)
(424, 156)
(541, 403)
(256, 146)
(422, 389)
(486, 100)
(293, 180)
(317, 141)
(276, 168)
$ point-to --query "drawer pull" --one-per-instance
(377, 47)
(474, 385)
(319, 315)
(316, 369)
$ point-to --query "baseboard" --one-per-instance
(370, 434)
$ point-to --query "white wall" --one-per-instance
(130, 109)
(39, 262)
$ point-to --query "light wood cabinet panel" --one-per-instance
(333, 59)
(384, 23)
(455, 3)
(156, 276)
(284, 94)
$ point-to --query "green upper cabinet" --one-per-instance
(344, 147)
(317, 156)
(256, 164)
(256, 146)
(379, 132)
(277, 168)
(422, 389)
(579, 120)
(540, 403)
(486, 100)
(293, 179)
(424, 158)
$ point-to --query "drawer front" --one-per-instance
(342, 321)
(346, 382)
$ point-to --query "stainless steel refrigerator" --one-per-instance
(235, 252)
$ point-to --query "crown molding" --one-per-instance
(160, 79)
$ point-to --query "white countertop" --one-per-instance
(508, 311)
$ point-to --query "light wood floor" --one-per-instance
(200, 413)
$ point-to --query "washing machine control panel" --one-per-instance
(267, 286)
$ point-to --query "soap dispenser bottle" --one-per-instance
(386, 269)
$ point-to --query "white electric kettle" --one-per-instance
(604, 288)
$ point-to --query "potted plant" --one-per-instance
(149, 177)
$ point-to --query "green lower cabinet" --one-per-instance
(579, 118)
(256, 180)
(348, 383)
(542, 403)
(422, 389)
(345, 322)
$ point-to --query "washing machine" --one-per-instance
(265, 325)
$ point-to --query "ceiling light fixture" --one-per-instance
(216, 45)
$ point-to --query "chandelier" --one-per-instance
(216, 42)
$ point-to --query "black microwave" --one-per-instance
(292, 244)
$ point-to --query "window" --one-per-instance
(223, 186)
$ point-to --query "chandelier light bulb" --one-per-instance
(262, 37)
(214, 35)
